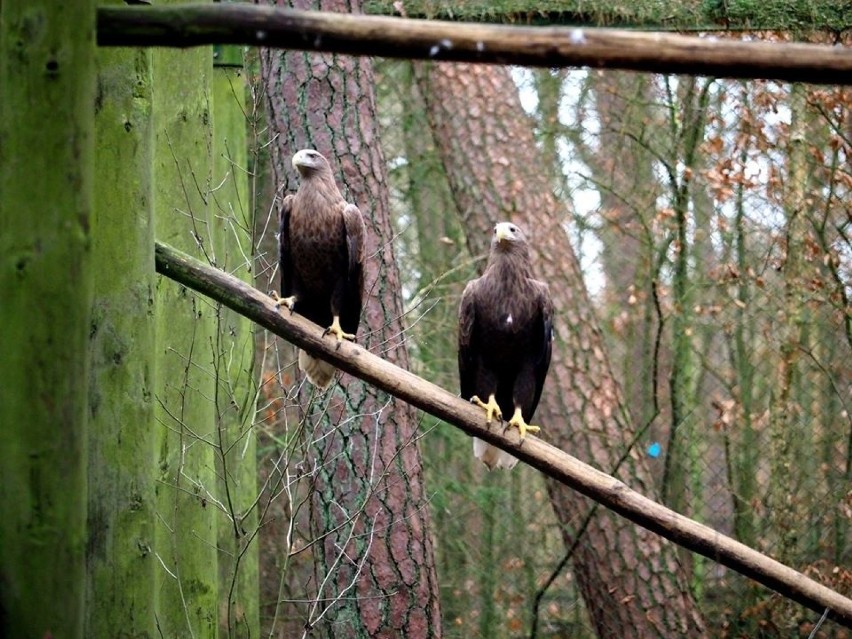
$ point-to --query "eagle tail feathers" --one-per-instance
(319, 372)
(492, 456)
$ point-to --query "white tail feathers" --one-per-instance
(319, 372)
(492, 456)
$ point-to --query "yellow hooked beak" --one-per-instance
(502, 233)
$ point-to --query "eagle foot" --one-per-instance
(518, 422)
(335, 329)
(491, 408)
(289, 302)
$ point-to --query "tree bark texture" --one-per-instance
(47, 71)
(496, 173)
(375, 564)
(185, 536)
(122, 507)
(232, 223)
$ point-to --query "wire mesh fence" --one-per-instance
(710, 220)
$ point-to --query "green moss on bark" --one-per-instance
(47, 53)
(235, 389)
(185, 536)
(122, 506)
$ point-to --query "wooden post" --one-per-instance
(122, 491)
(47, 84)
(185, 535)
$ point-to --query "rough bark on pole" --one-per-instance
(374, 560)
(47, 91)
(553, 462)
(194, 25)
(122, 503)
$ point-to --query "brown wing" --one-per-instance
(467, 354)
(285, 257)
(544, 348)
(350, 312)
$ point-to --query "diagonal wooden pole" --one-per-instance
(239, 23)
(553, 462)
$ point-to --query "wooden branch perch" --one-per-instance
(194, 25)
(553, 462)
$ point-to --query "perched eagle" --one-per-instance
(505, 331)
(321, 252)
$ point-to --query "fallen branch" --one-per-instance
(238, 23)
(553, 462)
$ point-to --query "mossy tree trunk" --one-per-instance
(122, 504)
(496, 172)
(373, 555)
(185, 537)
(232, 223)
(47, 58)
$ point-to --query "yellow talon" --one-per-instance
(335, 329)
(492, 410)
(518, 422)
(289, 302)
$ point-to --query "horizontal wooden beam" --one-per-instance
(662, 15)
(553, 462)
(259, 25)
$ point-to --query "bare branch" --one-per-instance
(553, 462)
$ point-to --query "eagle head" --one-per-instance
(308, 161)
(506, 235)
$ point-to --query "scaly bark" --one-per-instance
(375, 560)
(47, 84)
(496, 173)
(122, 504)
(185, 536)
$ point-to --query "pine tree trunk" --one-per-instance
(47, 90)
(232, 226)
(122, 507)
(185, 537)
(373, 555)
(631, 579)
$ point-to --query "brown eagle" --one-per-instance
(505, 334)
(321, 255)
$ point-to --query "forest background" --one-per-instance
(695, 236)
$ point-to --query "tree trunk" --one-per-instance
(122, 508)
(785, 430)
(373, 555)
(185, 538)
(232, 223)
(47, 57)
(496, 173)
